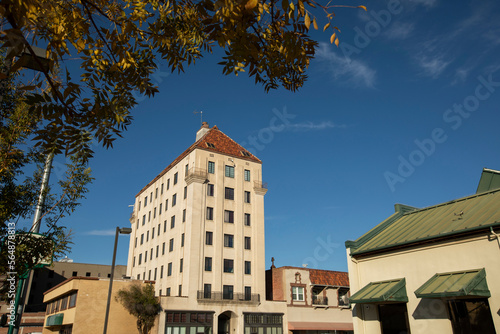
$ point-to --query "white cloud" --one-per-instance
(310, 126)
(432, 66)
(461, 75)
(104, 233)
(342, 68)
(400, 30)
(426, 3)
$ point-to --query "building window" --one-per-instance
(210, 189)
(147, 236)
(157, 250)
(159, 210)
(248, 293)
(211, 167)
(343, 294)
(247, 219)
(229, 171)
(208, 264)
(154, 213)
(228, 240)
(229, 193)
(247, 175)
(168, 184)
(175, 178)
(298, 293)
(143, 220)
(151, 254)
(161, 191)
(174, 199)
(248, 268)
(161, 272)
(180, 290)
(164, 226)
(394, 319)
(227, 292)
(168, 292)
(169, 269)
(184, 215)
(181, 265)
(153, 233)
(166, 204)
(72, 300)
(247, 197)
(145, 256)
(145, 201)
(186, 170)
(228, 266)
(228, 216)
(208, 238)
(172, 222)
(182, 240)
(140, 259)
(142, 238)
(470, 316)
(135, 244)
(159, 228)
(87, 274)
(163, 249)
(248, 243)
(156, 193)
(210, 213)
(171, 245)
(185, 192)
(156, 269)
(149, 216)
(207, 291)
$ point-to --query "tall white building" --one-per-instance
(198, 231)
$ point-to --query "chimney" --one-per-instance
(202, 131)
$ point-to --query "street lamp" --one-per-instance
(123, 230)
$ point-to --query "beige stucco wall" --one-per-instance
(417, 266)
(88, 314)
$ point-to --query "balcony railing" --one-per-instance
(220, 297)
(260, 184)
(319, 300)
(196, 175)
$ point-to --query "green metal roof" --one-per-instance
(382, 292)
(456, 284)
(490, 180)
(409, 226)
(55, 320)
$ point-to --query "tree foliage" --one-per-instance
(21, 167)
(120, 44)
(140, 301)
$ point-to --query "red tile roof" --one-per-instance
(222, 144)
(327, 277)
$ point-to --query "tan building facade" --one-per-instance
(198, 231)
(431, 270)
(78, 306)
(317, 300)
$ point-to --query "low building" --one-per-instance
(431, 270)
(78, 306)
(317, 300)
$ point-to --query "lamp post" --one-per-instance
(123, 230)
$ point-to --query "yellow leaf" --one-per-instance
(363, 7)
(307, 21)
(332, 38)
(251, 4)
(326, 26)
(315, 24)
(337, 42)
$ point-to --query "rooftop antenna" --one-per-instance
(201, 116)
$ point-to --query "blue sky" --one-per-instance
(405, 111)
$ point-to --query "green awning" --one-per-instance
(457, 284)
(382, 292)
(55, 320)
